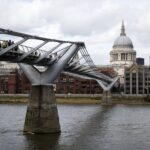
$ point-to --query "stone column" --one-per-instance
(42, 114)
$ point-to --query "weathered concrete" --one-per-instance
(106, 98)
(42, 114)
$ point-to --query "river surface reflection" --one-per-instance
(84, 127)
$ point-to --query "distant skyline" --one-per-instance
(97, 23)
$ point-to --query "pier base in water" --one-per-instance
(106, 98)
(42, 115)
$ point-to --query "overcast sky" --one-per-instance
(96, 22)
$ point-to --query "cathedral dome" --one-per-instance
(123, 41)
(122, 55)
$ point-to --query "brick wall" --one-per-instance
(16, 82)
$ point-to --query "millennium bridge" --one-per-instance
(54, 56)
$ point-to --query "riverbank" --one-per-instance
(60, 100)
(79, 99)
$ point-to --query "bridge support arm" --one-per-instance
(42, 78)
(31, 73)
(107, 90)
(54, 70)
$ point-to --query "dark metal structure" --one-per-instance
(59, 55)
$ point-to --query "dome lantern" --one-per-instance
(123, 29)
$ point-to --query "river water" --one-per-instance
(84, 127)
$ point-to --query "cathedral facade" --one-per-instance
(123, 54)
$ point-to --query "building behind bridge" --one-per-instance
(123, 54)
(134, 76)
(137, 79)
(13, 81)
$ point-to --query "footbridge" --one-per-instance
(42, 63)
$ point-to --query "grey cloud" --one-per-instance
(95, 22)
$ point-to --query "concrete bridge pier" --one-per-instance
(42, 115)
(106, 98)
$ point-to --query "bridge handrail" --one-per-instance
(23, 35)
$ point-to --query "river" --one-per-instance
(84, 127)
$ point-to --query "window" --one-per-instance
(133, 90)
(123, 56)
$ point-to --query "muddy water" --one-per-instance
(84, 127)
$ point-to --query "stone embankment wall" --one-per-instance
(63, 98)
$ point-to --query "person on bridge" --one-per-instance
(4, 44)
